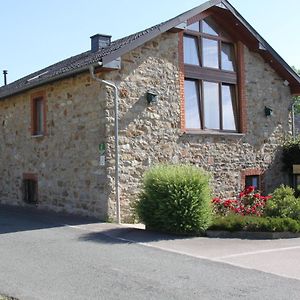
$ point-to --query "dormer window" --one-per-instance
(210, 78)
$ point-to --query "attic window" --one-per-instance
(194, 27)
(37, 76)
(210, 27)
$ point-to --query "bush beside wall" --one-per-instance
(283, 204)
(175, 199)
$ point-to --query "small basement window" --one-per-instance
(30, 191)
(252, 180)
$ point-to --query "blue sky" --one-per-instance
(35, 34)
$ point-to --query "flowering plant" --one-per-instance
(249, 203)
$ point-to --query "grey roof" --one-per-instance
(83, 61)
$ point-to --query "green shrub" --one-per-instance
(283, 204)
(175, 199)
(255, 224)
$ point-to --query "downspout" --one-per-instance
(293, 120)
(116, 104)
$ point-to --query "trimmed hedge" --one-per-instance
(175, 199)
(256, 224)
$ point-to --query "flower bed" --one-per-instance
(249, 213)
(249, 203)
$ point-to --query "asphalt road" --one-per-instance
(43, 258)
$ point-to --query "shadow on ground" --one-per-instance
(128, 235)
(15, 219)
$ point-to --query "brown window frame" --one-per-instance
(35, 126)
(253, 172)
(234, 78)
(200, 95)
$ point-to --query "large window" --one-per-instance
(210, 78)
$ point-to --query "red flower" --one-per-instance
(216, 200)
(241, 195)
(249, 190)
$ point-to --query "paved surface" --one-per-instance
(280, 257)
(49, 256)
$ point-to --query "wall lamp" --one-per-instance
(268, 111)
(151, 97)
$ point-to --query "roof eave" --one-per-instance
(295, 90)
(265, 44)
(48, 80)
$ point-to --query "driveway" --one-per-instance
(280, 257)
(51, 256)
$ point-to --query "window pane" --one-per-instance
(228, 59)
(190, 51)
(210, 53)
(211, 105)
(192, 116)
(194, 27)
(210, 27)
(228, 104)
(39, 108)
(252, 181)
(255, 181)
(297, 181)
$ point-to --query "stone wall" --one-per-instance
(150, 134)
(66, 160)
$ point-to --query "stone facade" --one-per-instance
(65, 161)
(151, 134)
(80, 117)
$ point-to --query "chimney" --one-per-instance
(99, 41)
(5, 79)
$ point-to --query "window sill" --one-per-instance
(214, 133)
(38, 136)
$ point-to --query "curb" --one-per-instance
(251, 235)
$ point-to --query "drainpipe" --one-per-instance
(293, 120)
(116, 104)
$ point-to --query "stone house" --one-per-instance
(203, 88)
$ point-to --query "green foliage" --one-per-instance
(291, 152)
(175, 199)
(255, 224)
(283, 204)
